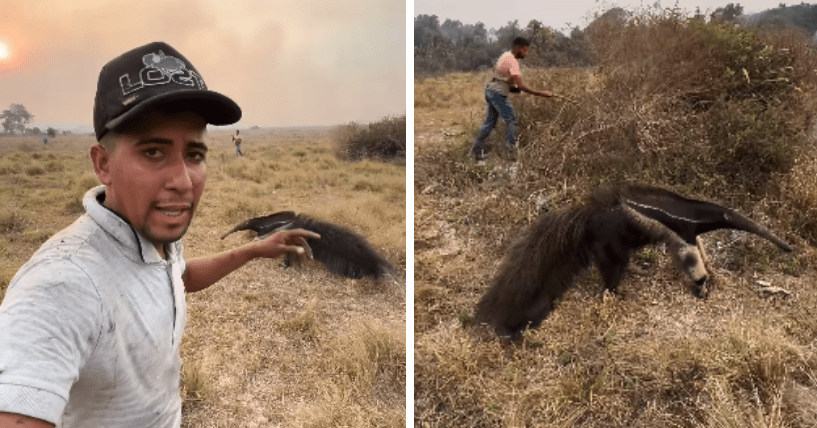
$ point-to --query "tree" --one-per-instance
(426, 31)
(505, 35)
(15, 119)
(728, 14)
(51, 132)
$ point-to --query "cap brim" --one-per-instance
(213, 107)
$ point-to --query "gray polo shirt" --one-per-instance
(90, 327)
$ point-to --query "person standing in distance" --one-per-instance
(90, 326)
(506, 79)
(237, 141)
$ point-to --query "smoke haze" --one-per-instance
(286, 63)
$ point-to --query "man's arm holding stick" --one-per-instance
(517, 81)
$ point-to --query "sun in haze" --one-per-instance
(5, 51)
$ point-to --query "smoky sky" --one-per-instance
(562, 15)
(286, 63)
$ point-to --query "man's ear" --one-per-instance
(100, 158)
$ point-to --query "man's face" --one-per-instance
(155, 174)
(520, 52)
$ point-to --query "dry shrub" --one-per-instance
(451, 91)
(728, 411)
(237, 207)
(12, 220)
(254, 172)
(8, 166)
(54, 166)
(801, 190)
(365, 365)
(194, 381)
(801, 405)
(35, 170)
(682, 103)
(27, 147)
(371, 354)
(382, 140)
(305, 322)
(77, 188)
(338, 408)
(759, 381)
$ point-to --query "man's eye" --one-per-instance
(197, 156)
(153, 153)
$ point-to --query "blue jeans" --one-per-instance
(238, 150)
(498, 105)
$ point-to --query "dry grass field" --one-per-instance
(653, 355)
(267, 346)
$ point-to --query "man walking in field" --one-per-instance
(507, 78)
(90, 326)
(237, 141)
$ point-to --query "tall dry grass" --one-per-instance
(685, 102)
(267, 346)
(41, 189)
(669, 104)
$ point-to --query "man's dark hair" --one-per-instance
(520, 41)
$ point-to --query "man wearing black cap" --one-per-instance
(90, 327)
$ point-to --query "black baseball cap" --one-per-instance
(155, 75)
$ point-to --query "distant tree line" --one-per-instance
(16, 117)
(802, 16)
(454, 46)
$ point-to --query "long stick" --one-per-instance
(562, 97)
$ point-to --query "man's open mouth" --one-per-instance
(174, 210)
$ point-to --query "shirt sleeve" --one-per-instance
(513, 67)
(507, 66)
(50, 322)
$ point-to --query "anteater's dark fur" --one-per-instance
(604, 229)
(340, 249)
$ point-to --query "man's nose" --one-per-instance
(178, 175)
